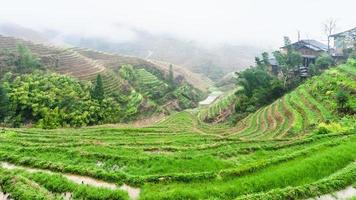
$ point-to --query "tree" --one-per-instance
(4, 100)
(329, 27)
(98, 90)
(324, 61)
(341, 99)
(128, 73)
(314, 70)
(287, 61)
(265, 58)
(26, 61)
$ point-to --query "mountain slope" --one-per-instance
(298, 147)
(86, 64)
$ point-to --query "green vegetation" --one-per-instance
(98, 89)
(259, 88)
(222, 104)
(51, 101)
(31, 94)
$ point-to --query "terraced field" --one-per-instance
(84, 64)
(274, 153)
(64, 61)
(150, 83)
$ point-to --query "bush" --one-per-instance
(322, 130)
(324, 61)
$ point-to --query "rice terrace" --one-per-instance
(88, 115)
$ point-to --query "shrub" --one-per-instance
(324, 61)
(322, 130)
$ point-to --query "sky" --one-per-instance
(247, 22)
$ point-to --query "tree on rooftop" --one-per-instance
(287, 61)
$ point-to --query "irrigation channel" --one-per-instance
(132, 192)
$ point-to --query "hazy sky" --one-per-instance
(261, 22)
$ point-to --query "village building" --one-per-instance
(343, 42)
(309, 49)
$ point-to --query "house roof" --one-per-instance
(342, 33)
(311, 44)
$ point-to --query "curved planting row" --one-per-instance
(292, 115)
(74, 64)
(324, 113)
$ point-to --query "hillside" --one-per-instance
(299, 146)
(111, 60)
(86, 64)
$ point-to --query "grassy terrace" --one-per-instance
(273, 153)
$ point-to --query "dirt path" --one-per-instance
(132, 192)
(344, 194)
(4, 196)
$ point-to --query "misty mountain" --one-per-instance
(212, 61)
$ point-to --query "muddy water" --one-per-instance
(132, 192)
(344, 194)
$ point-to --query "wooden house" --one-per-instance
(309, 49)
(343, 41)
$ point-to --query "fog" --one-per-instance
(251, 22)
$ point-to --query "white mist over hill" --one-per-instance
(252, 22)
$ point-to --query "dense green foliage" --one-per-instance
(51, 100)
(259, 88)
(4, 100)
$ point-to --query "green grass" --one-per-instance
(181, 157)
(294, 173)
